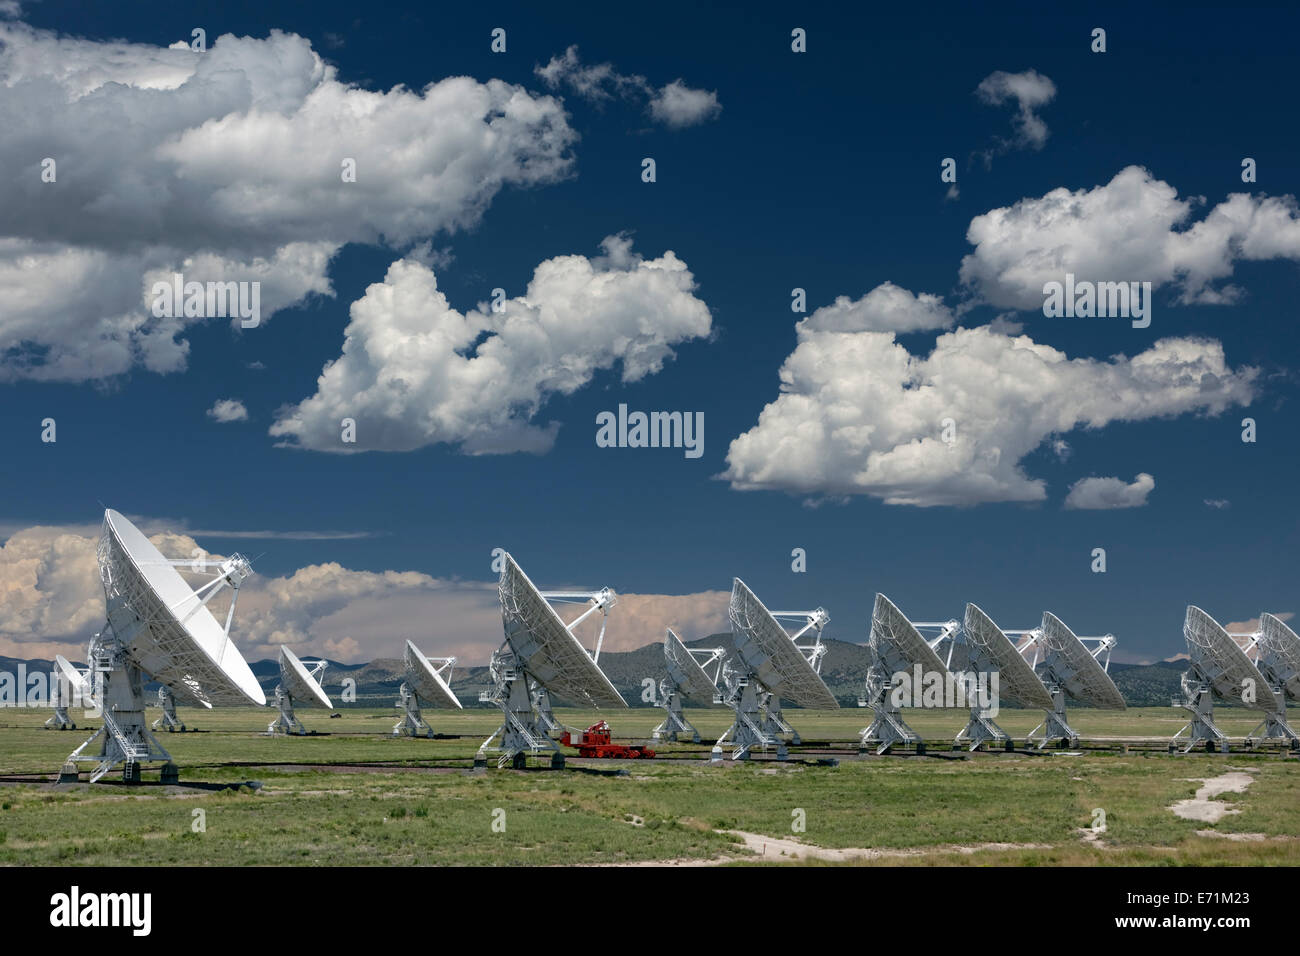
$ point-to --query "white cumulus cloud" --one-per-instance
(414, 371)
(886, 308)
(859, 414)
(1030, 91)
(51, 602)
(678, 105)
(1108, 494)
(228, 410)
(675, 104)
(1134, 228)
(224, 165)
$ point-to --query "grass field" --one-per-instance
(353, 796)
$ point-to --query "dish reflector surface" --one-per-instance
(898, 645)
(1081, 675)
(545, 647)
(1222, 662)
(991, 650)
(167, 632)
(426, 680)
(771, 655)
(686, 671)
(1279, 654)
(298, 683)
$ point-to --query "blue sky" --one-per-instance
(821, 171)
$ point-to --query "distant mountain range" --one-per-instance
(844, 669)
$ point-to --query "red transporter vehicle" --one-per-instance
(594, 742)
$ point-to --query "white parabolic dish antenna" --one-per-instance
(1222, 663)
(426, 680)
(685, 671)
(992, 651)
(771, 655)
(1070, 662)
(545, 648)
(168, 630)
(899, 646)
(1280, 653)
(298, 683)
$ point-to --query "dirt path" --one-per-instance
(1203, 808)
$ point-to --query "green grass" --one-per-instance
(418, 802)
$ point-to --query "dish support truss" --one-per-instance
(64, 697)
(413, 723)
(675, 723)
(1054, 725)
(524, 702)
(168, 721)
(287, 722)
(888, 729)
(758, 719)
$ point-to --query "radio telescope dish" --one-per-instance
(991, 652)
(541, 655)
(158, 626)
(1279, 654)
(773, 656)
(687, 677)
(298, 684)
(173, 636)
(1221, 662)
(766, 664)
(896, 646)
(1276, 653)
(1217, 666)
(1070, 668)
(424, 682)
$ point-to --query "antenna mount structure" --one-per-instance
(688, 676)
(897, 647)
(1072, 666)
(157, 625)
(765, 664)
(1218, 667)
(427, 682)
(541, 654)
(169, 721)
(299, 681)
(991, 652)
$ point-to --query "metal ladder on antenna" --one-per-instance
(131, 751)
(533, 742)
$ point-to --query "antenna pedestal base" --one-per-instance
(1054, 725)
(980, 731)
(888, 729)
(60, 720)
(523, 731)
(286, 723)
(168, 721)
(124, 737)
(749, 730)
(412, 723)
(1201, 729)
(674, 723)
